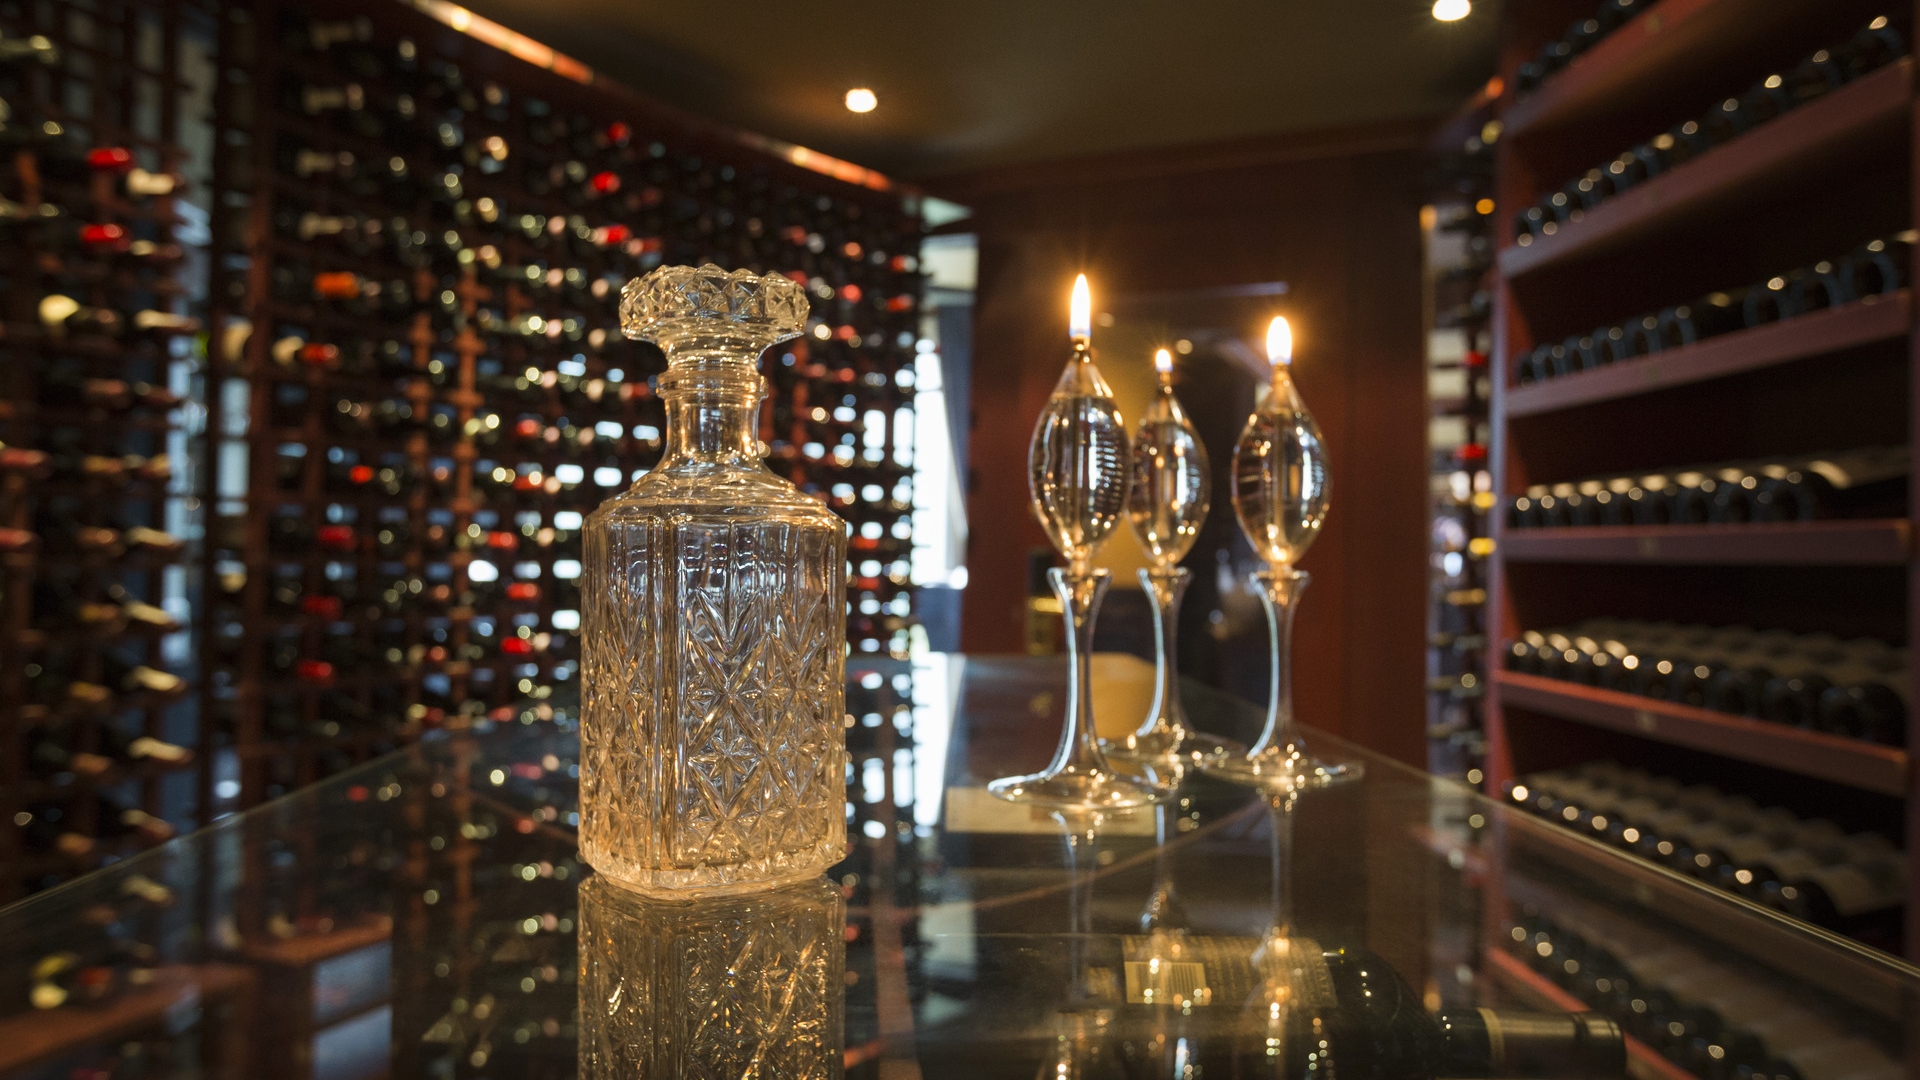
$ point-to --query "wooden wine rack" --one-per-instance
(1807, 185)
(121, 79)
(339, 614)
(617, 185)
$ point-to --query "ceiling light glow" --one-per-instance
(860, 99)
(1451, 10)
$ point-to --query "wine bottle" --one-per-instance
(1860, 483)
(1372, 1024)
(1851, 897)
(1867, 703)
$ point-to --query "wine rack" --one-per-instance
(425, 243)
(96, 481)
(383, 291)
(1460, 308)
(1775, 186)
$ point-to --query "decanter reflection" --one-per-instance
(714, 592)
(1280, 496)
(726, 986)
(1167, 501)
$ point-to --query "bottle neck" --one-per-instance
(1555, 1046)
(713, 407)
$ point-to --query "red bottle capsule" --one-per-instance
(321, 607)
(336, 285)
(103, 236)
(314, 670)
(523, 590)
(339, 537)
(110, 158)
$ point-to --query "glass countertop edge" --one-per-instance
(1200, 698)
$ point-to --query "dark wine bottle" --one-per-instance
(1366, 1021)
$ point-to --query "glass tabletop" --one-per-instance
(426, 915)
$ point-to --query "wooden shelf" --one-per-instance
(1850, 326)
(1793, 948)
(34, 1038)
(1867, 112)
(1657, 56)
(1859, 764)
(1643, 1061)
(306, 950)
(1875, 542)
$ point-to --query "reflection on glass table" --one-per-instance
(426, 915)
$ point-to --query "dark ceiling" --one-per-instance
(984, 83)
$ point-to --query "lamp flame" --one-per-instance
(1080, 316)
(1163, 362)
(1280, 342)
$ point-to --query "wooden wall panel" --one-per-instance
(1337, 217)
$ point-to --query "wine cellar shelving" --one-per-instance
(389, 319)
(108, 144)
(1803, 154)
(1460, 249)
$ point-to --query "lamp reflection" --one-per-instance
(734, 986)
(1081, 1027)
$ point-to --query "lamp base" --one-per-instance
(1171, 752)
(1285, 768)
(1077, 789)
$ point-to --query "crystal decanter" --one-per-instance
(726, 986)
(1167, 503)
(1280, 497)
(712, 754)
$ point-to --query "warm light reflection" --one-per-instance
(1080, 314)
(1451, 10)
(1280, 341)
(861, 100)
(1163, 362)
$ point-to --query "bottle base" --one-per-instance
(696, 883)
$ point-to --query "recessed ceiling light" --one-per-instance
(861, 99)
(1451, 10)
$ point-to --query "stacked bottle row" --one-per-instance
(1875, 269)
(440, 391)
(94, 526)
(1868, 482)
(1881, 42)
(1809, 869)
(1584, 34)
(104, 956)
(1711, 1019)
(1857, 689)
